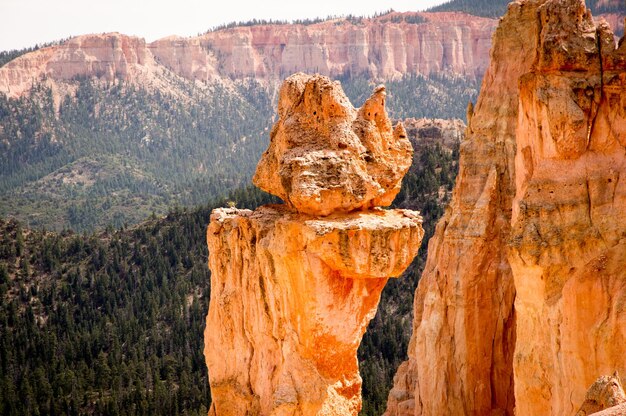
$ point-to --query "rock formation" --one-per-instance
(619, 410)
(294, 286)
(446, 132)
(107, 57)
(385, 47)
(606, 392)
(521, 304)
(326, 157)
(568, 251)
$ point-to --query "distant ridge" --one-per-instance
(496, 8)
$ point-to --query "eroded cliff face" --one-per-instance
(107, 57)
(568, 245)
(294, 286)
(521, 304)
(385, 47)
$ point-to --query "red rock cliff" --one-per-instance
(521, 304)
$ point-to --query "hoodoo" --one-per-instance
(293, 286)
(522, 302)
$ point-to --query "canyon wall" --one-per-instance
(107, 57)
(521, 303)
(293, 286)
(568, 243)
(385, 47)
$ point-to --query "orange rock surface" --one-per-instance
(521, 304)
(605, 393)
(291, 292)
(619, 410)
(324, 156)
(568, 245)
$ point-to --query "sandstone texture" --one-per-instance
(521, 304)
(568, 245)
(293, 286)
(619, 410)
(324, 156)
(384, 48)
(107, 57)
(605, 393)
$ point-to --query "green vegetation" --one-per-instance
(113, 154)
(485, 8)
(438, 96)
(497, 8)
(7, 56)
(109, 323)
(122, 153)
(112, 323)
(312, 21)
(386, 341)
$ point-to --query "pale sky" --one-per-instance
(25, 23)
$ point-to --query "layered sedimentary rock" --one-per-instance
(107, 57)
(521, 304)
(568, 245)
(292, 291)
(385, 47)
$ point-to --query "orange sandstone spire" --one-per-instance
(294, 286)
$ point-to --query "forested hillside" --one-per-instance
(111, 323)
(114, 153)
(110, 154)
(497, 8)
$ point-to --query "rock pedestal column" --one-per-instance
(522, 303)
(294, 286)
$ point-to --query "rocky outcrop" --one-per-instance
(446, 132)
(461, 350)
(324, 156)
(619, 410)
(385, 47)
(568, 251)
(606, 392)
(106, 57)
(292, 291)
(521, 304)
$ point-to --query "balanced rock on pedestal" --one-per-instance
(325, 156)
(293, 286)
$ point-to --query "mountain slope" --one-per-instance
(497, 8)
(112, 323)
(105, 129)
(115, 153)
